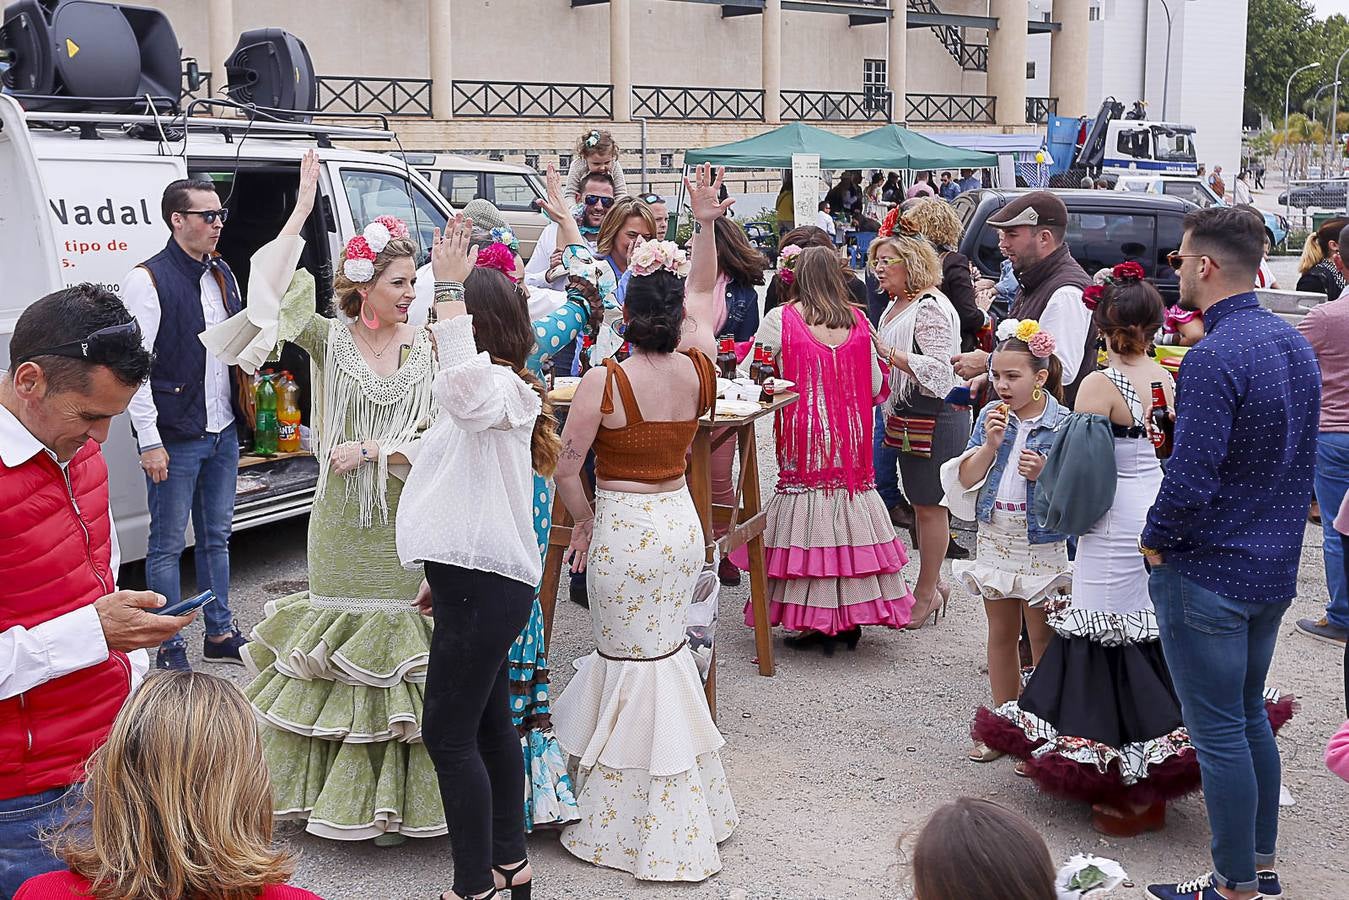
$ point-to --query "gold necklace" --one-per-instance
(379, 354)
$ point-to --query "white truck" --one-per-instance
(1116, 143)
(81, 203)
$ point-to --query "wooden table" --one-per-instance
(743, 519)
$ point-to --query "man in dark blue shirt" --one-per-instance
(1224, 537)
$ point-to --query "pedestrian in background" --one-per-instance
(73, 646)
(949, 190)
(1224, 539)
(187, 417)
(1319, 269)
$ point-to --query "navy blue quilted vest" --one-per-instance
(178, 378)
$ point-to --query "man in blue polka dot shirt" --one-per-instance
(1224, 538)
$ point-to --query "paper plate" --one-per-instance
(736, 409)
(722, 385)
(564, 387)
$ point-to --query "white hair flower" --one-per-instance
(1007, 329)
(358, 270)
(377, 236)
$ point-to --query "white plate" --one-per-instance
(736, 409)
(566, 381)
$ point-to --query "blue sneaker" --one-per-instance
(226, 651)
(173, 658)
(1269, 883)
(1205, 887)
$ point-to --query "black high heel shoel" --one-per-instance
(519, 891)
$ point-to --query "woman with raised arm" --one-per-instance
(653, 795)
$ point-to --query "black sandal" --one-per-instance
(519, 891)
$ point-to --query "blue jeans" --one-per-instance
(1218, 651)
(886, 461)
(201, 482)
(1332, 483)
(22, 854)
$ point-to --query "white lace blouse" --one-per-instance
(929, 331)
(469, 497)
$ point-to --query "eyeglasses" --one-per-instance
(1176, 259)
(884, 262)
(651, 198)
(89, 346)
(604, 202)
(207, 215)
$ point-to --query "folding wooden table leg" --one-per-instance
(758, 573)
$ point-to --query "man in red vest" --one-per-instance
(72, 646)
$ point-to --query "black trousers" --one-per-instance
(466, 719)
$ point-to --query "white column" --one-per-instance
(772, 61)
(620, 57)
(220, 40)
(1068, 57)
(439, 61)
(896, 60)
(1007, 60)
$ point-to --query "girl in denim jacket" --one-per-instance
(1018, 565)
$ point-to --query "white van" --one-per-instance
(81, 195)
(514, 190)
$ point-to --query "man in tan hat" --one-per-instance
(1050, 284)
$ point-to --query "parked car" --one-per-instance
(1321, 194)
(512, 189)
(1198, 192)
(764, 237)
(1105, 228)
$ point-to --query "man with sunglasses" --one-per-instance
(1224, 538)
(545, 265)
(72, 646)
(185, 417)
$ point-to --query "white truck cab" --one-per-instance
(1134, 146)
(82, 203)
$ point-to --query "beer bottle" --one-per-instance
(726, 360)
(587, 343)
(1163, 428)
(756, 373)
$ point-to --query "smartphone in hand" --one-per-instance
(183, 607)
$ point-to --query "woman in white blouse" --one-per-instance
(919, 333)
(467, 516)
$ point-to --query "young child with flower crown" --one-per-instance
(1018, 565)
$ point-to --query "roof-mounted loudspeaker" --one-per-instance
(270, 68)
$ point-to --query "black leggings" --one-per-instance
(466, 719)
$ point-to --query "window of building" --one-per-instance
(1093, 14)
(1030, 69)
(667, 160)
(873, 84)
(532, 160)
(563, 162)
(1046, 17)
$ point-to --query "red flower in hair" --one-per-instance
(358, 248)
(1126, 270)
(888, 225)
(499, 257)
(1092, 294)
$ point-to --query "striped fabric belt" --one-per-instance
(643, 658)
(1009, 505)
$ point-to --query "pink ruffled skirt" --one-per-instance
(833, 562)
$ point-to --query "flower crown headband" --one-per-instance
(362, 250)
(1125, 271)
(787, 263)
(1028, 331)
(652, 256)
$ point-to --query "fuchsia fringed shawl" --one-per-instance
(824, 439)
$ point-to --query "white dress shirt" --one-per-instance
(67, 643)
(142, 299)
(1068, 319)
(1012, 486)
(826, 222)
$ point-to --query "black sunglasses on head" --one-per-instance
(604, 202)
(89, 346)
(207, 215)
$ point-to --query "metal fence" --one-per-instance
(1039, 109)
(359, 94)
(718, 104)
(514, 99)
(965, 108)
(1309, 202)
(835, 106)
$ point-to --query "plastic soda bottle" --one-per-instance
(265, 434)
(288, 415)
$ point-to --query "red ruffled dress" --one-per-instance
(832, 556)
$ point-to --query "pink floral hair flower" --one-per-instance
(398, 229)
(497, 256)
(1092, 294)
(359, 248)
(1042, 344)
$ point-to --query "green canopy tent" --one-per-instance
(774, 149)
(907, 149)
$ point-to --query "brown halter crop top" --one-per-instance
(642, 451)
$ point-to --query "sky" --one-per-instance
(1326, 8)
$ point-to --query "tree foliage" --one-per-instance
(1281, 35)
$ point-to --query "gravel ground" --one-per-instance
(834, 762)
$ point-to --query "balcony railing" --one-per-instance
(516, 99)
(962, 108)
(391, 96)
(1039, 109)
(836, 106)
(718, 104)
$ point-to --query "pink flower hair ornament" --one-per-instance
(787, 263)
(649, 257)
(359, 260)
(497, 256)
(1042, 345)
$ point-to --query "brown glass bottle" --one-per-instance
(1163, 426)
(726, 360)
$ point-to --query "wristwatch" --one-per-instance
(1147, 551)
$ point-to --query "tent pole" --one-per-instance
(679, 202)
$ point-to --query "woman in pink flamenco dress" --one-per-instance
(832, 557)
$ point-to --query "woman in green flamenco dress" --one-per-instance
(340, 668)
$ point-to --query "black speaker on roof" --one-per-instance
(72, 55)
(271, 68)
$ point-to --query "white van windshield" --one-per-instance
(373, 194)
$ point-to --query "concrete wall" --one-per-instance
(1209, 56)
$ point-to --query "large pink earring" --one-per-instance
(370, 321)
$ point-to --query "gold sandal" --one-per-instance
(982, 753)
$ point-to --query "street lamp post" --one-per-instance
(1286, 91)
(1335, 104)
(1166, 68)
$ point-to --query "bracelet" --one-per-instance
(1146, 551)
(365, 454)
(449, 286)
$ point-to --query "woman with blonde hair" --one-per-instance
(919, 332)
(177, 804)
(627, 223)
(937, 221)
(832, 556)
(1317, 270)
